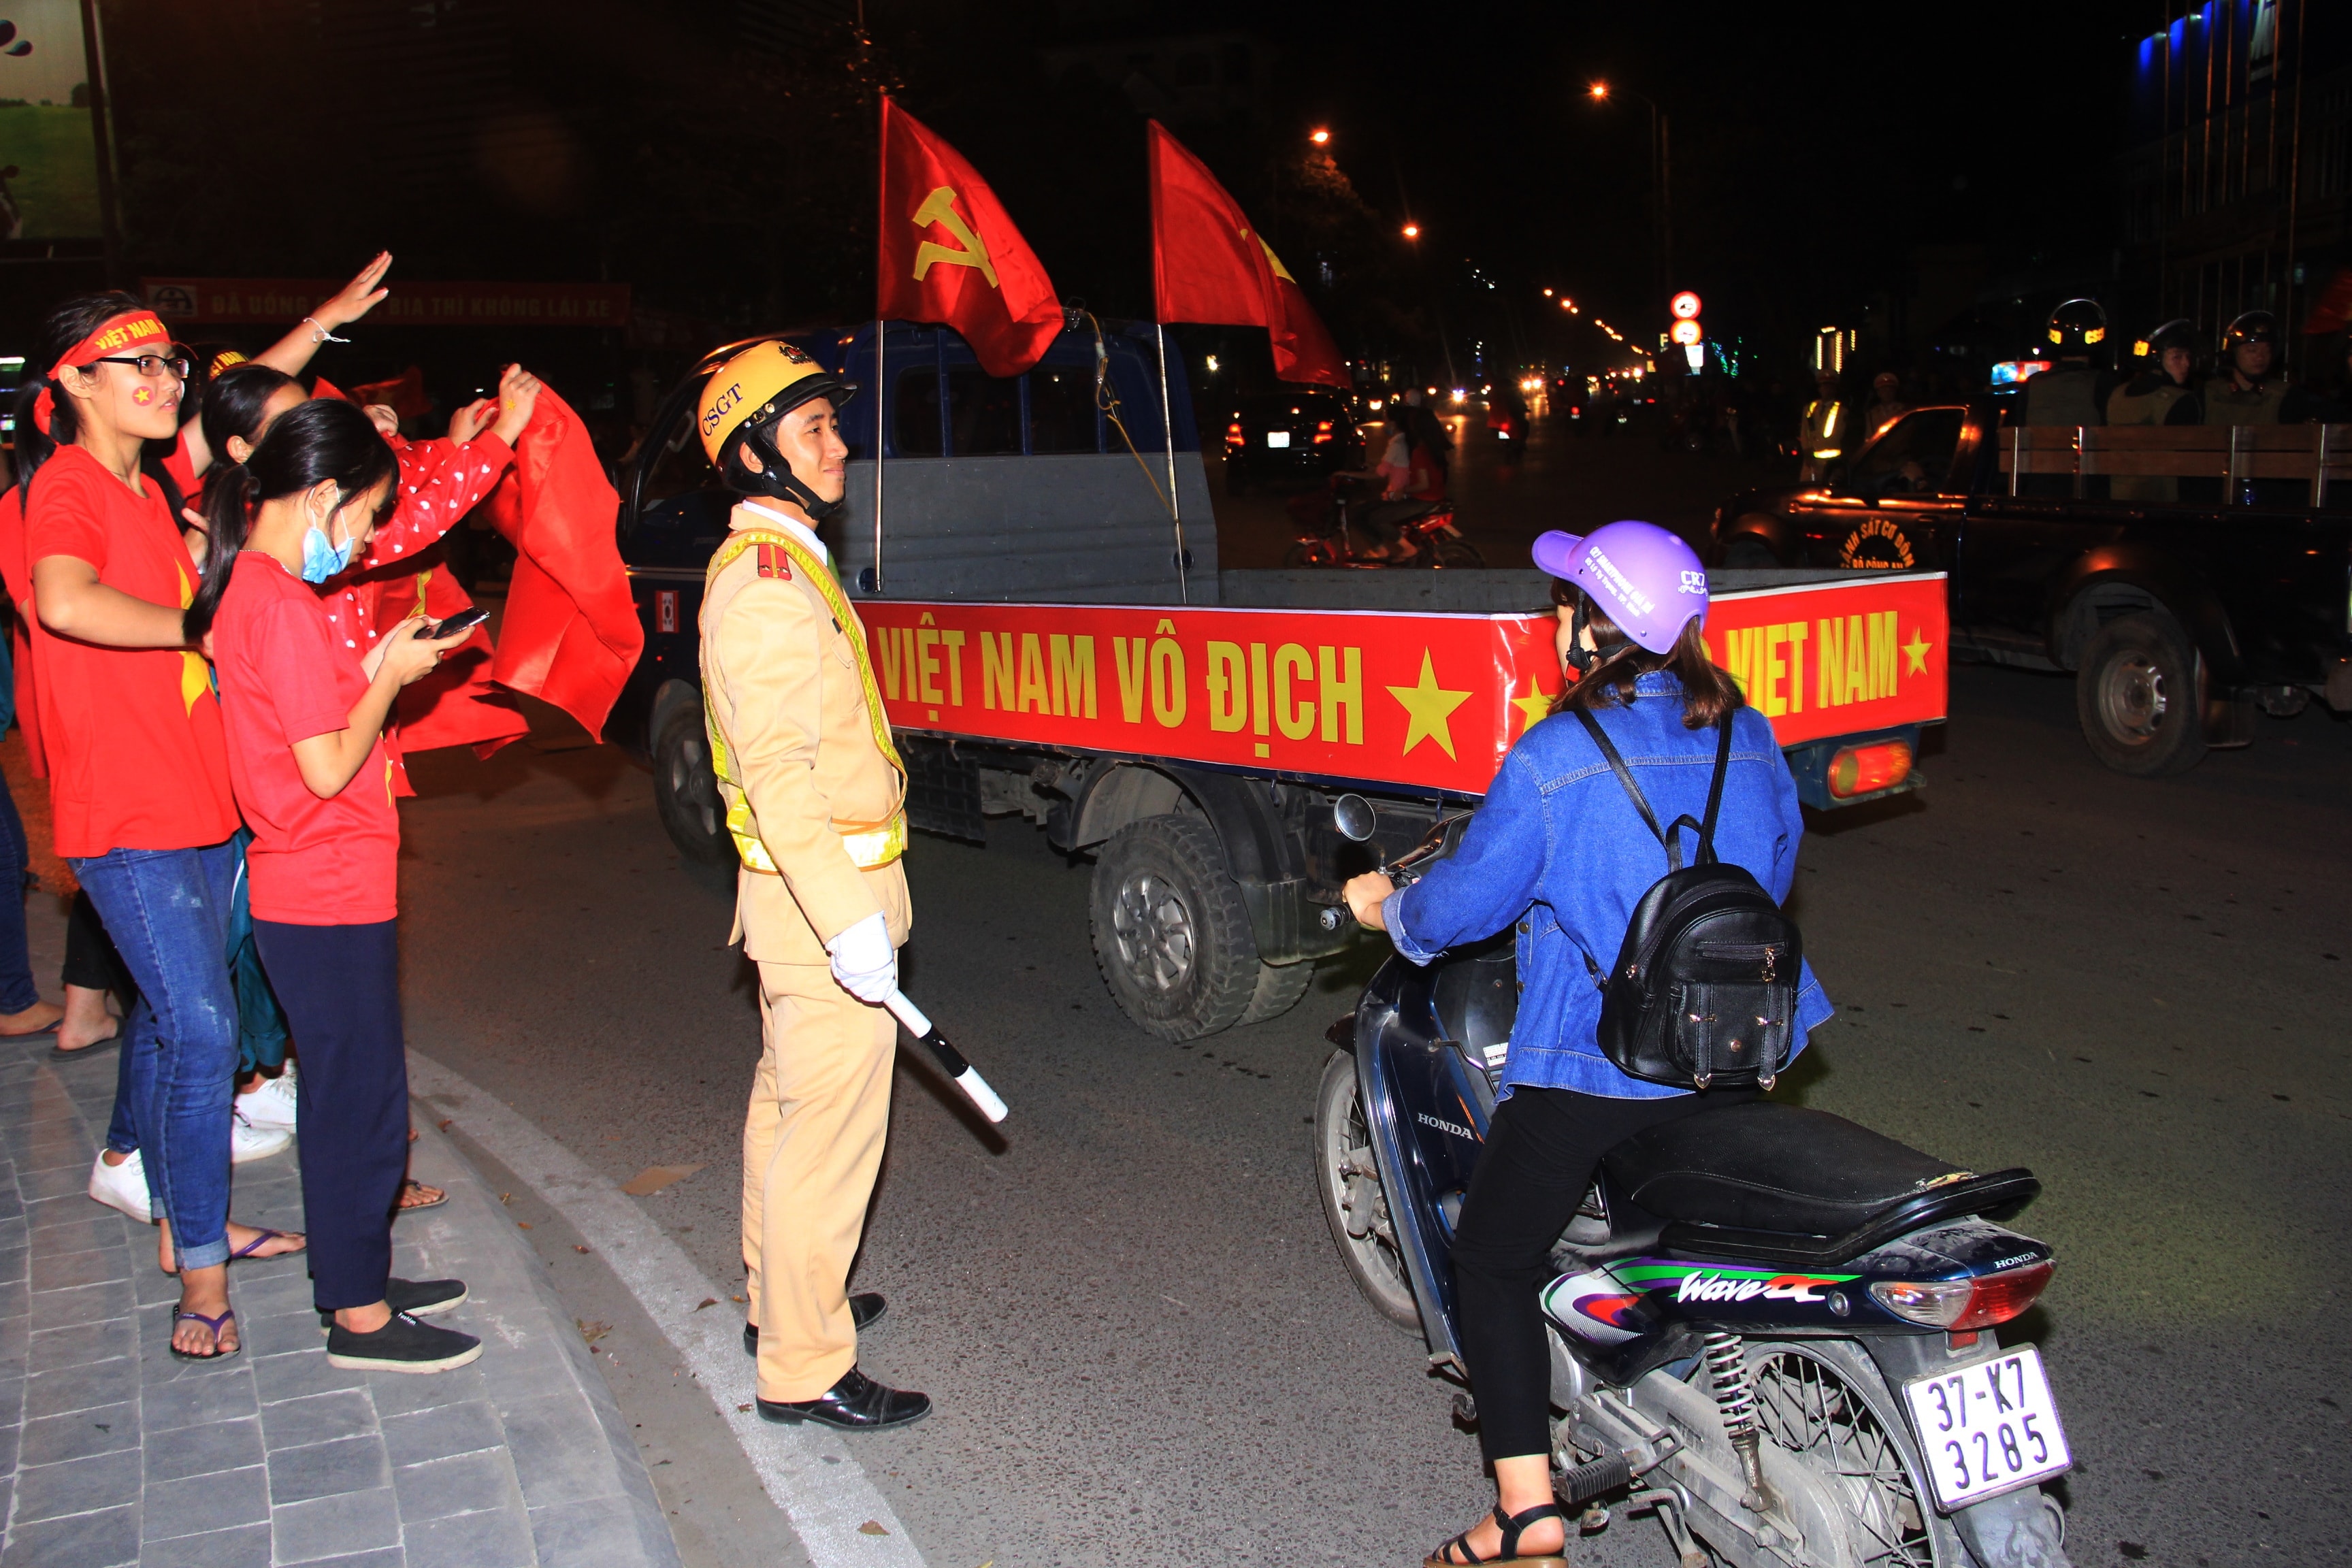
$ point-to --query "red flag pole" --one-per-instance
(881, 356)
(1175, 505)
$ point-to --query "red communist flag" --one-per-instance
(1210, 265)
(950, 254)
(571, 634)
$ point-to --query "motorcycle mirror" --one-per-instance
(1353, 815)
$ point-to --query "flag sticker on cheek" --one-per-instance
(142, 396)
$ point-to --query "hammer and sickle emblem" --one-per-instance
(938, 208)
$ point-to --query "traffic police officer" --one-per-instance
(1822, 438)
(814, 795)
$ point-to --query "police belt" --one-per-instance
(871, 845)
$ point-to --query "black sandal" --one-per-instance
(1512, 1526)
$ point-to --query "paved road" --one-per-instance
(1142, 1343)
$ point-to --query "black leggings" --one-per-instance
(1542, 1148)
(91, 962)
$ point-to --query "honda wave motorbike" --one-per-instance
(1771, 1328)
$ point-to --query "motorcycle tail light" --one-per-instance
(1234, 437)
(1322, 431)
(1863, 770)
(1963, 1304)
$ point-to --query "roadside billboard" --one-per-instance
(49, 159)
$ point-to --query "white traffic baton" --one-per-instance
(967, 1076)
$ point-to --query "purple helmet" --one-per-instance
(1649, 581)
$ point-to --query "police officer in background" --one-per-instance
(2164, 393)
(2246, 393)
(1822, 437)
(2074, 391)
(815, 795)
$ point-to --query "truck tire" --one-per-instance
(686, 792)
(1279, 987)
(1170, 935)
(1748, 549)
(2135, 694)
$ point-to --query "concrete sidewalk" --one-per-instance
(114, 1453)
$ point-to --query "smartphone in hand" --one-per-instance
(464, 620)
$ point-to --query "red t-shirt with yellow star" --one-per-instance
(136, 756)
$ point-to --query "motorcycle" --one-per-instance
(1326, 539)
(1769, 1328)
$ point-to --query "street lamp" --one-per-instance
(1412, 231)
(1661, 172)
(1319, 136)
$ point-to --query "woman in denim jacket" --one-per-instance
(1557, 848)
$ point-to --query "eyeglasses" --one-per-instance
(149, 365)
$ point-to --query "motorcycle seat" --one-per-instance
(1785, 1184)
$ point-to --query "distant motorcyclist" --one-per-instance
(1557, 848)
(2164, 393)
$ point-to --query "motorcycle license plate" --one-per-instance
(1277, 438)
(1988, 1429)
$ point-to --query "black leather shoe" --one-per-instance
(855, 1404)
(864, 1308)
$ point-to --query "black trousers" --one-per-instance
(91, 962)
(1541, 1151)
(341, 989)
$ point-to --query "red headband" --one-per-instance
(130, 330)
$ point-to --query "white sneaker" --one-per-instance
(270, 1104)
(122, 1186)
(248, 1142)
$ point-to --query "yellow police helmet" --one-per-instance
(760, 384)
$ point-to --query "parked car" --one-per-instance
(1294, 437)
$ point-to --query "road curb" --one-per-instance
(808, 1473)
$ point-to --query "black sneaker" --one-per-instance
(417, 1297)
(403, 1344)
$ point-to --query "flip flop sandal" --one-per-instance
(1512, 1525)
(264, 1239)
(216, 1325)
(414, 1185)
(246, 1251)
(35, 1034)
(95, 1048)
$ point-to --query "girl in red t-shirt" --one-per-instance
(138, 767)
(304, 712)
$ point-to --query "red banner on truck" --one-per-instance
(1423, 700)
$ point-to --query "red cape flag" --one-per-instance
(1209, 265)
(571, 635)
(950, 254)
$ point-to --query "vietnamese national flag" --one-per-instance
(571, 635)
(1210, 265)
(950, 254)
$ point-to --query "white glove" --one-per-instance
(864, 961)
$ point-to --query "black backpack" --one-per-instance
(1705, 987)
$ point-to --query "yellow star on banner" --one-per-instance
(1430, 706)
(1535, 706)
(1914, 654)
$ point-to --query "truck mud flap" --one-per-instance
(943, 791)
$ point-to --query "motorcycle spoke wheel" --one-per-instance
(1355, 1204)
(1806, 1407)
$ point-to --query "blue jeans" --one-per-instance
(17, 991)
(167, 912)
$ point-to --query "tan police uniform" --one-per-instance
(815, 796)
